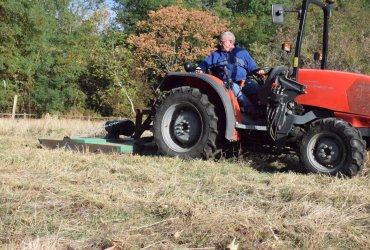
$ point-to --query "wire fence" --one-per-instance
(23, 115)
(71, 117)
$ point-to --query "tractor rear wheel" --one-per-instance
(333, 146)
(185, 125)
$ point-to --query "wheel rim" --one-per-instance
(326, 151)
(182, 127)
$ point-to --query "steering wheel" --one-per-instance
(258, 78)
(265, 90)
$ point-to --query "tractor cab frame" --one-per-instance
(278, 18)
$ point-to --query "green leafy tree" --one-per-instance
(349, 44)
(349, 38)
(112, 85)
(69, 50)
(44, 46)
(251, 20)
(129, 12)
(21, 43)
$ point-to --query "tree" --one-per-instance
(75, 25)
(348, 38)
(111, 84)
(44, 46)
(129, 12)
(21, 43)
(172, 36)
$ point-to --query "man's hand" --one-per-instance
(261, 73)
(199, 71)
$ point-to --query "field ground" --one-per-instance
(69, 200)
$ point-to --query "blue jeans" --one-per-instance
(250, 88)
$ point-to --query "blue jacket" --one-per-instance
(238, 62)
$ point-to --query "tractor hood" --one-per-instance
(337, 91)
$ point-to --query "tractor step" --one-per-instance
(94, 145)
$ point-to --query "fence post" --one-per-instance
(14, 106)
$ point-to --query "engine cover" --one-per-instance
(337, 91)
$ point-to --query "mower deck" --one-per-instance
(94, 145)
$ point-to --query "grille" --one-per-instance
(359, 97)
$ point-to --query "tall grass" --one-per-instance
(68, 200)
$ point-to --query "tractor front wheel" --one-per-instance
(185, 125)
(332, 146)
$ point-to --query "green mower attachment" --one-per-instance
(94, 145)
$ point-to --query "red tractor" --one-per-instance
(323, 114)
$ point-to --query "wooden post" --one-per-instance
(14, 106)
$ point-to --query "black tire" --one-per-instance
(185, 125)
(332, 146)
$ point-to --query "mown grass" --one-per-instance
(68, 200)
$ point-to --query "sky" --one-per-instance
(111, 4)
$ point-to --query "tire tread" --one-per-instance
(352, 137)
(210, 147)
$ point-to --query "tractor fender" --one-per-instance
(209, 85)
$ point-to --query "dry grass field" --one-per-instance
(56, 199)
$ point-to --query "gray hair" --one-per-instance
(228, 34)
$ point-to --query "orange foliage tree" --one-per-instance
(174, 35)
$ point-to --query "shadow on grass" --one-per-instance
(259, 157)
(263, 159)
(367, 139)
(146, 147)
(286, 165)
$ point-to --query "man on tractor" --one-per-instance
(232, 62)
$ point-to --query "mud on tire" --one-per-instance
(185, 125)
(332, 146)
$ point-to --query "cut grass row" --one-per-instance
(69, 200)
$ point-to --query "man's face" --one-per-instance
(226, 43)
